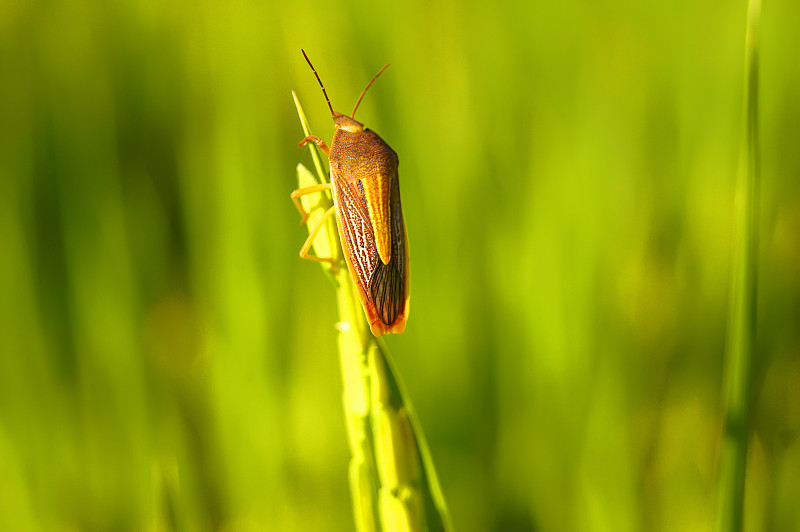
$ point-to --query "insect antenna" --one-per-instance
(353, 114)
(323, 86)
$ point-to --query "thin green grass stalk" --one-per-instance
(742, 316)
(392, 479)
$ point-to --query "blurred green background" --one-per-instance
(567, 169)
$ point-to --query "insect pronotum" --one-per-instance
(366, 198)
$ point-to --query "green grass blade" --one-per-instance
(742, 316)
(313, 147)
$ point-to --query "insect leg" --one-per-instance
(319, 142)
(302, 192)
(310, 240)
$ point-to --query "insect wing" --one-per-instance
(355, 230)
(383, 288)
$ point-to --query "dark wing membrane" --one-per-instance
(386, 289)
(387, 282)
(399, 251)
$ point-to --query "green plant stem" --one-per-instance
(742, 316)
(393, 483)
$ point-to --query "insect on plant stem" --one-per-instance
(365, 188)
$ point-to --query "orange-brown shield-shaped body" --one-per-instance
(366, 194)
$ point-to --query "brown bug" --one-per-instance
(366, 198)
